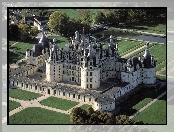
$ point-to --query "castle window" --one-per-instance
(90, 67)
(73, 95)
(63, 93)
(90, 73)
(87, 73)
(90, 85)
(90, 79)
(90, 63)
(87, 85)
(78, 96)
(87, 79)
(89, 99)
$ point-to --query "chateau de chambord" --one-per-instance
(83, 70)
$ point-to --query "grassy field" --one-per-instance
(127, 46)
(59, 103)
(85, 106)
(142, 103)
(11, 42)
(13, 58)
(61, 40)
(22, 94)
(157, 50)
(13, 105)
(159, 29)
(39, 116)
(21, 47)
(154, 114)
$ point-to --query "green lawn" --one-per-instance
(13, 58)
(13, 105)
(21, 47)
(159, 29)
(85, 106)
(39, 116)
(154, 114)
(127, 46)
(142, 103)
(11, 42)
(61, 40)
(22, 94)
(59, 103)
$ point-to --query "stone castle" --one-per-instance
(87, 64)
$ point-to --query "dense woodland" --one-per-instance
(89, 116)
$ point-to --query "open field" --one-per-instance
(11, 42)
(139, 100)
(22, 94)
(159, 29)
(61, 41)
(142, 103)
(59, 103)
(85, 106)
(39, 116)
(21, 47)
(126, 46)
(154, 114)
(13, 105)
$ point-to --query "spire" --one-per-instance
(147, 46)
(111, 39)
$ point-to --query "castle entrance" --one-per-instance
(48, 91)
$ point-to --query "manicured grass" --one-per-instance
(128, 46)
(61, 41)
(159, 29)
(159, 52)
(21, 47)
(154, 114)
(59, 103)
(85, 106)
(13, 58)
(22, 94)
(11, 42)
(13, 105)
(161, 77)
(142, 103)
(163, 72)
(39, 116)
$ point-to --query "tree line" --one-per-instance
(89, 116)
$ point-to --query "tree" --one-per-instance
(78, 116)
(98, 17)
(58, 22)
(24, 29)
(85, 17)
(13, 32)
(34, 31)
(90, 110)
